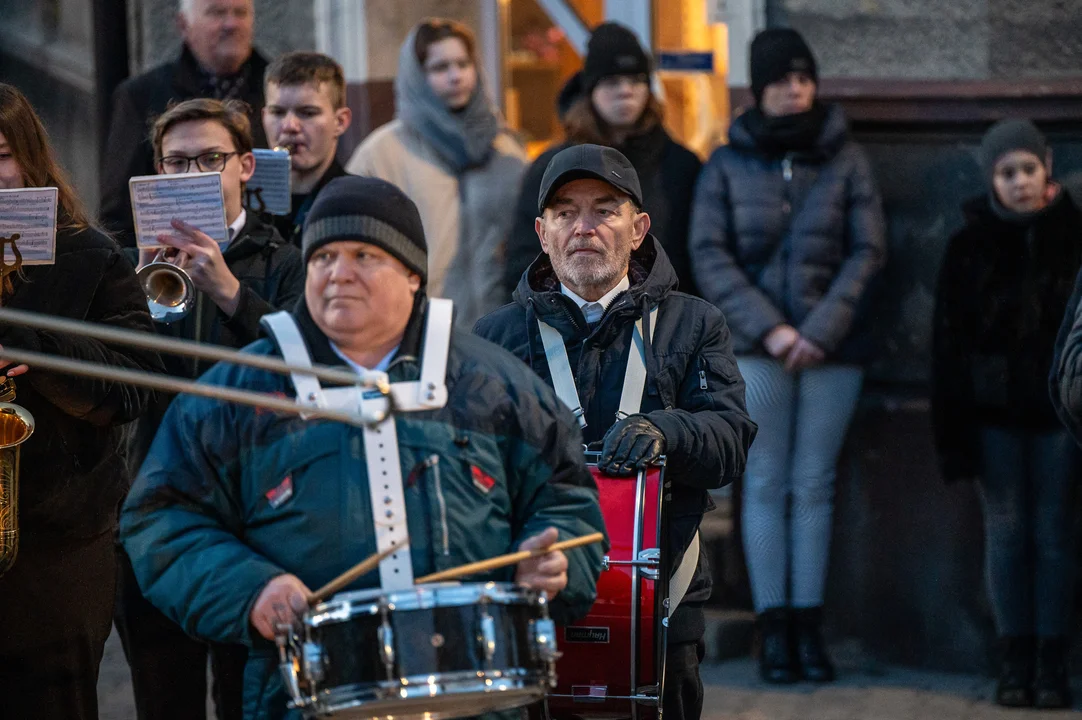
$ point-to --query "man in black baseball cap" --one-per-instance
(598, 309)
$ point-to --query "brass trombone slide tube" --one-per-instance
(173, 346)
(175, 385)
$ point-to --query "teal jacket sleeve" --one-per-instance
(181, 523)
(554, 488)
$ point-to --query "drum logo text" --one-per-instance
(586, 634)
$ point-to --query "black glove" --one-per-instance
(630, 445)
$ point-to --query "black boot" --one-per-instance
(811, 651)
(1015, 672)
(1050, 690)
(776, 662)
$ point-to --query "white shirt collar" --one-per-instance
(235, 227)
(594, 310)
(381, 366)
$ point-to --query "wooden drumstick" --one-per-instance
(364, 567)
(510, 559)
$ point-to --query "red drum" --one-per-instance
(613, 660)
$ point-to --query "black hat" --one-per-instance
(368, 210)
(1006, 136)
(579, 162)
(774, 54)
(613, 50)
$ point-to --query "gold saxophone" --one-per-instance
(16, 425)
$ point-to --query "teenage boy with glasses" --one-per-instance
(256, 272)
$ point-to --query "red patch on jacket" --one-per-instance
(482, 480)
(277, 496)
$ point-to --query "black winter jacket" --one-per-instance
(793, 239)
(72, 470)
(290, 226)
(667, 172)
(1003, 289)
(694, 391)
(136, 102)
(271, 278)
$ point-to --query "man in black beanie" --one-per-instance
(610, 103)
(237, 512)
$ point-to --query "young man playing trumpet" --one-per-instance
(306, 113)
(255, 273)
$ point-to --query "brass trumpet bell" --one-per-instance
(169, 291)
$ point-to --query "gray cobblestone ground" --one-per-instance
(734, 692)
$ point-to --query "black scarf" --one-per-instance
(786, 134)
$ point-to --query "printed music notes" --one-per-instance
(31, 214)
(195, 198)
(269, 188)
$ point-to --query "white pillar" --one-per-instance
(635, 14)
(341, 32)
(743, 18)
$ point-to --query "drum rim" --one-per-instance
(344, 606)
(515, 681)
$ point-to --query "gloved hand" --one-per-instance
(630, 445)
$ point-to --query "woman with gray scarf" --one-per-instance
(448, 151)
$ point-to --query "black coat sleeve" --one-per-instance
(1066, 375)
(956, 436)
(118, 301)
(289, 286)
(708, 433)
(522, 243)
(127, 154)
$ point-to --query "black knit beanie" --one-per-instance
(613, 50)
(1006, 136)
(369, 210)
(774, 54)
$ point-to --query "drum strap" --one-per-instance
(380, 442)
(563, 379)
(681, 579)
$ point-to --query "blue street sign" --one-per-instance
(686, 61)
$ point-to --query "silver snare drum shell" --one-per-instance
(437, 651)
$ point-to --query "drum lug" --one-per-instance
(386, 646)
(544, 639)
(488, 636)
(313, 662)
(287, 664)
(648, 561)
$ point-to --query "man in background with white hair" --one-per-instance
(216, 60)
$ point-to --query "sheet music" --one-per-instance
(269, 188)
(195, 198)
(30, 213)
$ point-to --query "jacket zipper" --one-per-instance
(787, 206)
(702, 380)
(434, 463)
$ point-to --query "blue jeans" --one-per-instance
(788, 507)
(1027, 493)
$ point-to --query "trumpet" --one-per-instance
(169, 290)
(16, 425)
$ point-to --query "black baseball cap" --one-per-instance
(580, 162)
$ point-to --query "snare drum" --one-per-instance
(435, 651)
(613, 660)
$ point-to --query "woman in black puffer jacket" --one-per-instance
(786, 233)
(1003, 289)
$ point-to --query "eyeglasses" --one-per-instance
(206, 162)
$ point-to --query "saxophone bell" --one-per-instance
(16, 425)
